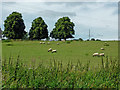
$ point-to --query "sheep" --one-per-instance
(101, 54)
(95, 54)
(57, 43)
(50, 49)
(102, 49)
(54, 51)
(40, 42)
(48, 43)
(106, 44)
(43, 42)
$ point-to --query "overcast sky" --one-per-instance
(100, 17)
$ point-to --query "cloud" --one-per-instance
(50, 13)
(97, 16)
(9, 3)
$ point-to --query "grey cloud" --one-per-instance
(9, 3)
(99, 35)
(66, 3)
(113, 4)
(50, 13)
(116, 12)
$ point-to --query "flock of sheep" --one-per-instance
(50, 49)
(43, 42)
(94, 54)
(97, 54)
(48, 43)
(101, 54)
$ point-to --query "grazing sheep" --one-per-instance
(106, 44)
(95, 54)
(50, 49)
(102, 49)
(57, 43)
(48, 43)
(43, 42)
(101, 54)
(40, 42)
(53, 51)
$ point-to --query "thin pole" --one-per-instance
(89, 34)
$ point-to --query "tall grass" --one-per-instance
(18, 75)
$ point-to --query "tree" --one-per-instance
(64, 29)
(48, 38)
(38, 29)
(25, 37)
(87, 40)
(98, 40)
(80, 39)
(92, 39)
(14, 26)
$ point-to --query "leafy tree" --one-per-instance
(87, 40)
(14, 26)
(48, 38)
(64, 29)
(80, 39)
(92, 39)
(25, 37)
(98, 40)
(38, 29)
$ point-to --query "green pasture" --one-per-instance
(33, 51)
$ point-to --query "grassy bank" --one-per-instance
(19, 75)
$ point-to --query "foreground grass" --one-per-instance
(18, 75)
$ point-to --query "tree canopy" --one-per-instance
(14, 26)
(38, 29)
(92, 39)
(64, 29)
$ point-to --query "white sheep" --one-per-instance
(50, 49)
(54, 51)
(102, 49)
(57, 43)
(48, 43)
(101, 54)
(95, 54)
(43, 42)
(40, 42)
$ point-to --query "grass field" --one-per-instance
(57, 71)
(76, 50)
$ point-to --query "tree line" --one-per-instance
(14, 28)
